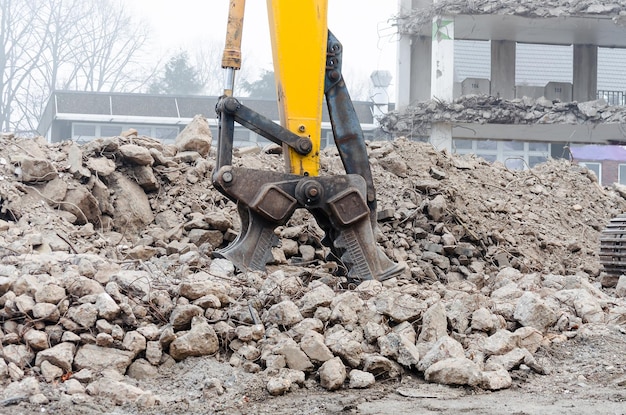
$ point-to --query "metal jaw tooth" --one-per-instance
(365, 260)
(354, 256)
(253, 247)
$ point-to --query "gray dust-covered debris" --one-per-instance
(415, 20)
(484, 109)
(107, 287)
(416, 119)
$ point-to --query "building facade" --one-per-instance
(511, 50)
(82, 116)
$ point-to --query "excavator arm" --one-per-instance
(307, 66)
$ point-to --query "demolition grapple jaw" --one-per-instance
(266, 200)
(343, 205)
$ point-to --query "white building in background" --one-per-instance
(571, 58)
(82, 116)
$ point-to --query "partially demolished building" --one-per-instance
(500, 116)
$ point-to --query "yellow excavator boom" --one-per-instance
(307, 68)
(299, 32)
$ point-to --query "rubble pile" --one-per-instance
(484, 109)
(415, 20)
(107, 280)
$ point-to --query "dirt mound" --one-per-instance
(107, 284)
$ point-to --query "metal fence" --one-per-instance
(612, 97)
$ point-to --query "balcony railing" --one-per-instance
(612, 97)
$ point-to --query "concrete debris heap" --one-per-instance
(414, 21)
(485, 109)
(107, 281)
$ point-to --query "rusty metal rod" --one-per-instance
(231, 59)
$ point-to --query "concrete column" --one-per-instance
(414, 57)
(403, 73)
(404, 57)
(442, 76)
(585, 63)
(421, 55)
(503, 68)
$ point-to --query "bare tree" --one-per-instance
(21, 49)
(207, 60)
(111, 45)
(66, 44)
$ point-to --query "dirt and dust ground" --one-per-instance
(544, 221)
(586, 377)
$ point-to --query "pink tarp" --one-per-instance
(599, 152)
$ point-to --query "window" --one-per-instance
(147, 131)
(486, 145)
(110, 130)
(594, 167)
(534, 160)
(489, 157)
(85, 132)
(461, 144)
(513, 146)
(622, 174)
(214, 132)
(515, 155)
(241, 137)
(81, 131)
(327, 139)
(515, 163)
(165, 133)
(544, 147)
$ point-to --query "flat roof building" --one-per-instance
(82, 116)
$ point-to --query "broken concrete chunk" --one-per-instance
(400, 307)
(534, 312)
(437, 208)
(444, 348)
(454, 371)
(399, 348)
(196, 136)
(132, 207)
(81, 203)
(313, 345)
(319, 296)
(503, 341)
(99, 358)
(144, 176)
(101, 166)
(495, 380)
(295, 358)
(332, 374)
(135, 154)
(120, 393)
(61, 355)
(201, 340)
(435, 323)
(285, 313)
(341, 343)
(360, 379)
(36, 170)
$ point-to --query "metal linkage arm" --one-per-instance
(345, 123)
(229, 109)
(268, 199)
